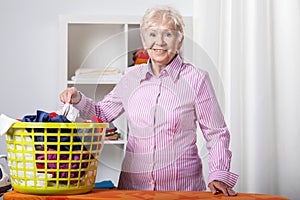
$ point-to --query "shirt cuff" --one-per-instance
(226, 177)
(81, 104)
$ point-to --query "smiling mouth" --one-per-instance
(159, 50)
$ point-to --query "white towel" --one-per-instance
(5, 123)
(90, 72)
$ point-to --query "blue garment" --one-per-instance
(42, 116)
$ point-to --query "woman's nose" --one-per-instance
(159, 40)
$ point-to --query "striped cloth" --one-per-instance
(162, 112)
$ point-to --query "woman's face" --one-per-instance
(162, 42)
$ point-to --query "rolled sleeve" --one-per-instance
(86, 106)
(226, 177)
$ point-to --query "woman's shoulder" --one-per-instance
(189, 69)
(141, 68)
(136, 71)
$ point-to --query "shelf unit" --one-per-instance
(101, 42)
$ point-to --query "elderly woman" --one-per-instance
(163, 100)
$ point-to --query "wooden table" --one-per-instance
(112, 194)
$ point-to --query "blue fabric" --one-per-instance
(104, 184)
(42, 116)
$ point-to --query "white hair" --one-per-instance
(162, 13)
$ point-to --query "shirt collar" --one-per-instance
(173, 69)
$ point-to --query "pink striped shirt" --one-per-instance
(162, 112)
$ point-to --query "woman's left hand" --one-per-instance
(218, 186)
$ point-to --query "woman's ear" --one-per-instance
(180, 43)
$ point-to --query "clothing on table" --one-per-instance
(162, 112)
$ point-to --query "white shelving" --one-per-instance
(101, 42)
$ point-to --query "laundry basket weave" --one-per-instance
(54, 158)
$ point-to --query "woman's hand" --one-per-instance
(70, 95)
(218, 186)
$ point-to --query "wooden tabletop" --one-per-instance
(97, 194)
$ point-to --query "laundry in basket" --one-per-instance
(65, 161)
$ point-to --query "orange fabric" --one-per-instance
(140, 61)
(140, 56)
(111, 194)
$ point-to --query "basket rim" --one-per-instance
(59, 125)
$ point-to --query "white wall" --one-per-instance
(29, 47)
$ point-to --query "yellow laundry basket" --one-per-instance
(54, 158)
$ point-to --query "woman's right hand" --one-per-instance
(70, 95)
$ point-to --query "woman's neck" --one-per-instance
(156, 69)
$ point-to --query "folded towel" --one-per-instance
(92, 78)
(96, 71)
(104, 184)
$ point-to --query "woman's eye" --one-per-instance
(169, 35)
(152, 34)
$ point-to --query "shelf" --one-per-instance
(92, 82)
(104, 79)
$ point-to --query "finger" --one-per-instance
(212, 188)
(224, 191)
(66, 96)
(231, 192)
(73, 95)
(62, 97)
(69, 98)
(221, 187)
